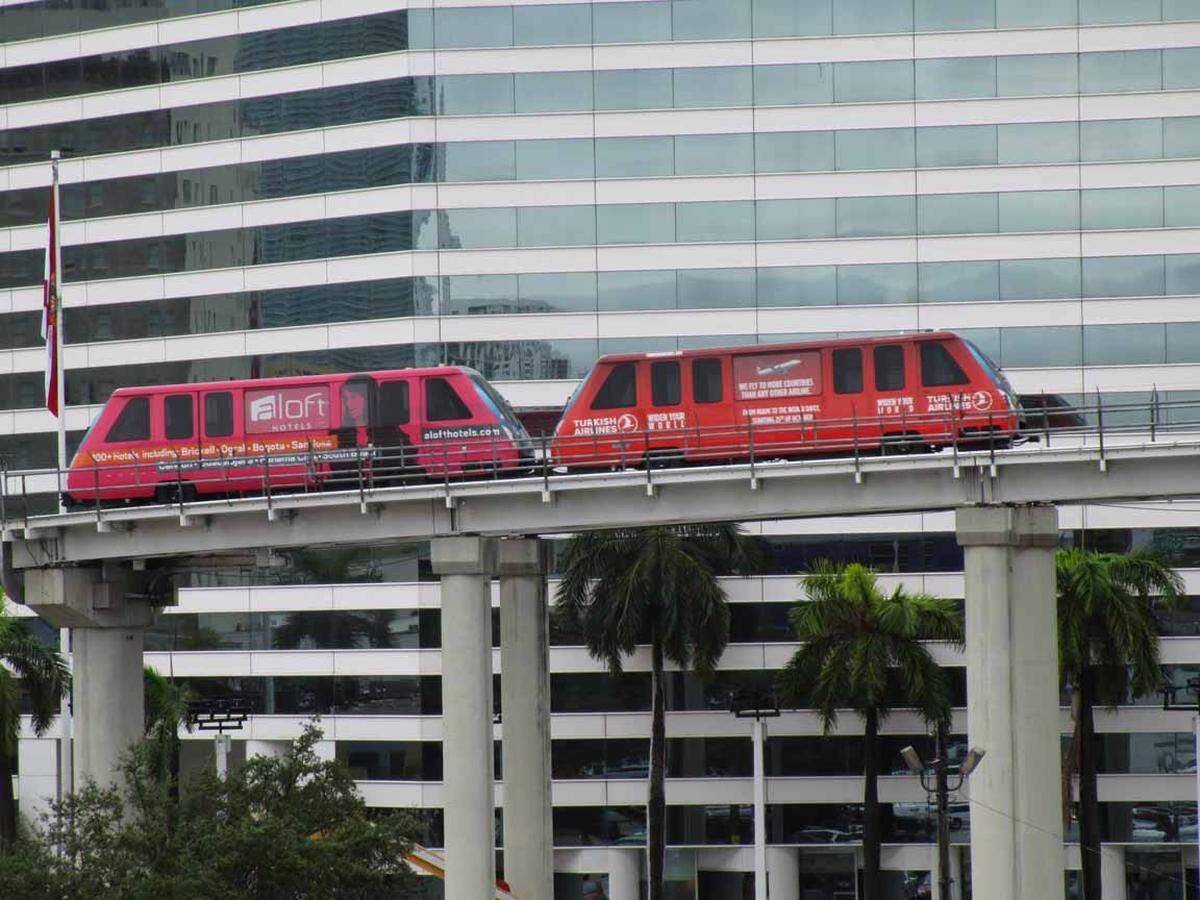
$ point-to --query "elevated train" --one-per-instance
(899, 393)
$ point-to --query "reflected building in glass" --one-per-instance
(523, 187)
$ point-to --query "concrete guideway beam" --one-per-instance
(567, 503)
(466, 565)
(1012, 701)
(525, 727)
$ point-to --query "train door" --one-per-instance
(894, 386)
(667, 418)
(393, 432)
(223, 454)
(181, 439)
(711, 434)
(846, 411)
(451, 440)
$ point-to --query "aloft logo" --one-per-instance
(277, 406)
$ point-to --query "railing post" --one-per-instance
(1153, 412)
(750, 435)
(854, 430)
(1100, 429)
(3, 492)
(545, 470)
(178, 480)
(1045, 419)
(991, 445)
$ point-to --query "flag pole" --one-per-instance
(55, 247)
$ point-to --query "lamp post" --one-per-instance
(938, 770)
(218, 716)
(759, 706)
(1169, 692)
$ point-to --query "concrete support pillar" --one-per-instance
(956, 878)
(108, 700)
(107, 639)
(1012, 699)
(783, 873)
(525, 728)
(625, 873)
(465, 565)
(1112, 872)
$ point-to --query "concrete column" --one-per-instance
(783, 873)
(107, 639)
(625, 873)
(1012, 699)
(525, 728)
(37, 783)
(466, 565)
(108, 700)
(1112, 872)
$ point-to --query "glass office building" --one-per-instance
(295, 186)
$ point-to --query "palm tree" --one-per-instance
(44, 675)
(1107, 648)
(166, 710)
(658, 586)
(862, 650)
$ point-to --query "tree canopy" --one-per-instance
(278, 828)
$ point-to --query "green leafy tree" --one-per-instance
(43, 673)
(289, 827)
(862, 649)
(622, 587)
(166, 712)
(1107, 650)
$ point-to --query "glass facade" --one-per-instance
(565, 180)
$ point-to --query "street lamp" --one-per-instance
(759, 706)
(940, 790)
(219, 715)
(1169, 691)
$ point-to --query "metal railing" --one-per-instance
(267, 468)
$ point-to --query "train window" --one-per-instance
(177, 411)
(707, 386)
(393, 403)
(619, 388)
(133, 424)
(847, 370)
(889, 367)
(664, 383)
(938, 368)
(218, 414)
(442, 403)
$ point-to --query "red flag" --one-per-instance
(51, 302)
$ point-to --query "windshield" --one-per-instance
(503, 412)
(87, 434)
(988, 366)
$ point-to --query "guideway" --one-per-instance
(1012, 703)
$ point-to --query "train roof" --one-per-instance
(782, 347)
(281, 380)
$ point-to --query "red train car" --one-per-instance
(161, 443)
(903, 392)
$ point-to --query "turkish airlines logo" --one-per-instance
(627, 422)
(982, 400)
